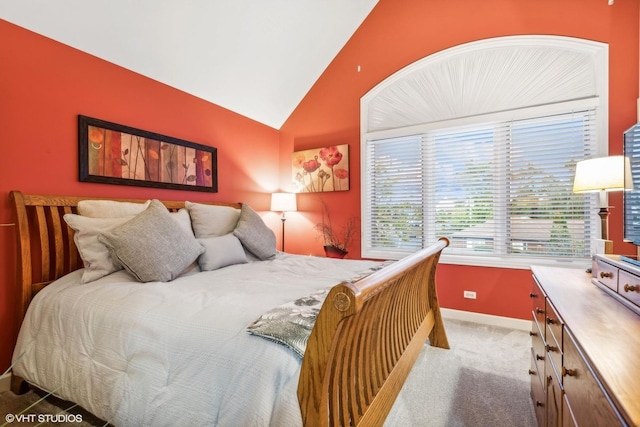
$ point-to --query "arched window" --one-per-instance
(479, 143)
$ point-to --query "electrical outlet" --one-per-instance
(470, 294)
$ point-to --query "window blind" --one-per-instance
(498, 188)
(632, 198)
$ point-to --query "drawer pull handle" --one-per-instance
(539, 310)
(551, 348)
(533, 334)
(538, 357)
(532, 372)
(569, 372)
(533, 295)
(539, 404)
(631, 288)
(551, 321)
(604, 274)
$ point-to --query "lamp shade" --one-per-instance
(283, 202)
(603, 174)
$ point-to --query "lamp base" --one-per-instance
(603, 246)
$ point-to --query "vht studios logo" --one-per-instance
(43, 418)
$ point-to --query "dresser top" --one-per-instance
(607, 332)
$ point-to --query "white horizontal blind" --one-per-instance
(395, 214)
(632, 198)
(498, 188)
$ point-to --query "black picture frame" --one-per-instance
(111, 153)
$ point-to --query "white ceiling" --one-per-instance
(255, 57)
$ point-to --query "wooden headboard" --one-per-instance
(46, 249)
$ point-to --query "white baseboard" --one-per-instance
(5, 382)
(486, 319)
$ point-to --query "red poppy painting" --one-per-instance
(321, 169)
(116, 154)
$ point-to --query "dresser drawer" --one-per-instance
(590, 404)
(629, 287)
(537, 389)
(538, 305)
(554, 395)
(553, 335)
(607, 274)
(568, 420)
(538, 345)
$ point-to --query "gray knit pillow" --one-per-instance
(152, 246)
(254, 234)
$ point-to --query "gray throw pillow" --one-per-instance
(254, 234)
(221, 252)
(152, 246)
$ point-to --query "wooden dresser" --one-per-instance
(585, 353)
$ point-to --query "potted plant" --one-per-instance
(336, 241)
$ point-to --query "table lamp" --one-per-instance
(603, 174)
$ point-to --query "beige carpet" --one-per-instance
(482, 381)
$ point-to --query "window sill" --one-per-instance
(520, 263)
(488, 261)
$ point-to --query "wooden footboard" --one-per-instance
(366, 339)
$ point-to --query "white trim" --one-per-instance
(511, 262)
(486, 319)
(5, 382)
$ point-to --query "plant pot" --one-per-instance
(333, 252)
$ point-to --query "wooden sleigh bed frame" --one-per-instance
(366, 338)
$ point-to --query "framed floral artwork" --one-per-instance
(115, 154)
(321, 169)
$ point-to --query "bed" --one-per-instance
(144, 352)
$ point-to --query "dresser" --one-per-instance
(585, 345)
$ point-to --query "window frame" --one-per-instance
(520, 262)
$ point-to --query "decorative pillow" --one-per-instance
(152, 246)
(254, 234)
(291, 323)
(95, 255)
(110, 208)
(212, 220)
(221, 252)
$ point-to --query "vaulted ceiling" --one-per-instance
(255, 57)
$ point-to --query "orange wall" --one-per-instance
(397, 33)
(44, 85)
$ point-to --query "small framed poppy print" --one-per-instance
(321, 169)
(115, 154)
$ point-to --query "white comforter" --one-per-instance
(176, 353)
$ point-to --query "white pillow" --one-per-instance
(183, 220)
(110, 208)
(212, 220)
(220, 252)
(95, 255)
